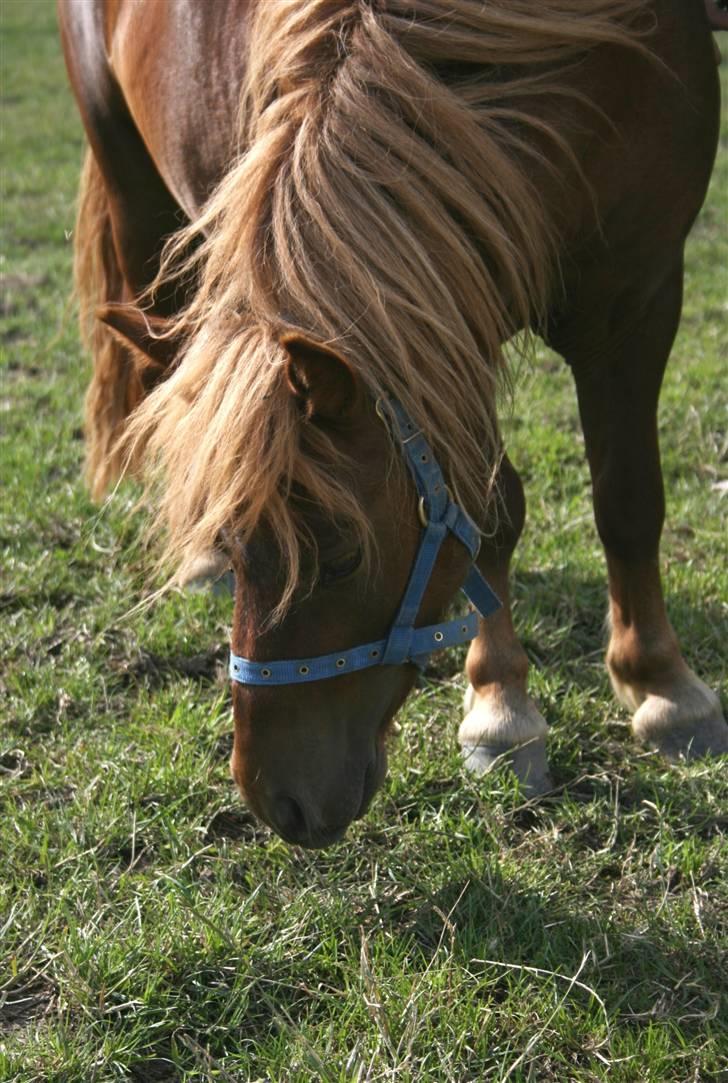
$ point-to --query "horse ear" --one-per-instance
(141, 330)
(324, 383)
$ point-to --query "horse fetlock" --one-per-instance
(636, 662)
(503, 726)
(682, 721)
(674, 712)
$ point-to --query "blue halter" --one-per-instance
(404, 643)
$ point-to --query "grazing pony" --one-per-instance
(306, 229)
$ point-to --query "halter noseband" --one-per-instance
(404, 643)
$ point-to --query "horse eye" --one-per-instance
(332, 571)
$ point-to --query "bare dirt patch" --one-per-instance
(154, 670)
(25, 1005)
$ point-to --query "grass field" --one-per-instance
(150, 930)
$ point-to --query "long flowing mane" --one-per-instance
(382, 203)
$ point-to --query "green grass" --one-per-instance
(150, 930)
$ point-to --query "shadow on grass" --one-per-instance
(641, 971)
(152, 670)
(510, 945)
(560, 616)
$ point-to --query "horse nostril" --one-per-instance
(289, 819)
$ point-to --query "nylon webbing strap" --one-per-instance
(404, 643)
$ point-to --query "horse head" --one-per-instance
(309, 754)
(316, 684)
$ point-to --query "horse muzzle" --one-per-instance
(318, 816)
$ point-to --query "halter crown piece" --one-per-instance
(404, 643)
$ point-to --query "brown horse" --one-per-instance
(367, 198)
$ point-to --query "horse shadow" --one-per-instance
(502, 945)
(493, 927)
(560, 617)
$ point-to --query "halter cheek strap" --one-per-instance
(439, 515)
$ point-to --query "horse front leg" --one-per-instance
(618, 378)
(502, 723)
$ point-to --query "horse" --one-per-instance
(306, 230)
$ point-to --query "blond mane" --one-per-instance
(381, 206)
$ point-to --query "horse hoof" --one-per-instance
(208, 567)
(225, 585)
(505, 727)
(684, 726)
(528, 762)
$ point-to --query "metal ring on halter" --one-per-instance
(379, 411)
(422, 513)
(386, 418)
